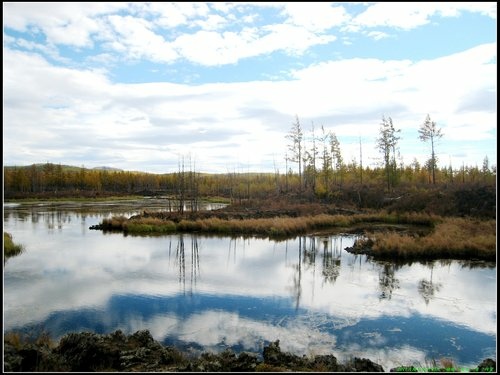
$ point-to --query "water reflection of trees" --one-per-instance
(180, 261)
(387, 280)
(329, 249)
(427, 288)
(331, 259)
(297, 277)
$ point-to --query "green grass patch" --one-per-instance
(9, 247)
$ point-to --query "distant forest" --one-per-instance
(349, 184)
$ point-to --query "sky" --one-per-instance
(141, 86)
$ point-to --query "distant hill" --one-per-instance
(65, 168)
(108, 169)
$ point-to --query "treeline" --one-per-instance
(321, 167)
(57, 180)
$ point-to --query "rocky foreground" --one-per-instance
(139, 352)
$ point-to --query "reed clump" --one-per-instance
(114, 223)
(149, 225)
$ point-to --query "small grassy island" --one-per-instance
(9, 247)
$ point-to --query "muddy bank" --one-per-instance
(139, 352)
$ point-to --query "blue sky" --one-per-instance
(138, 86)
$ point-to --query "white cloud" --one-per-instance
(348, 95)
(315, 16)
(136, 39)
(409, 15)
(377, 35)
(214, 48)
(151, 32)
(453, 9)
(62, 23)
(293, 39)
(213, 22)
(176, 14)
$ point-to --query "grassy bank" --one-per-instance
(268, 227)
(451, 238)
(9, 247)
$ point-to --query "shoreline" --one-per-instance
(139, 352)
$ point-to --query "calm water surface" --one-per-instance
(209, 293)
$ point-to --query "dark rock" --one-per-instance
(88, 352)
(142, 338)
(275, 357)
(325, 363)
(247, 362)
(227, 361)
(272, 353)
(488, 365)
(12, 358)
(366, 365)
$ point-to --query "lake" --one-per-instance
(208, 293)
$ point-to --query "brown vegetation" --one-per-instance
(456, 238)
(278, 225)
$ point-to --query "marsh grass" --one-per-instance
(149, 225)
(9, 247)
(452, 238)
(278, 226)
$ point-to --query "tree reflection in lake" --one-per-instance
(427, 288)
(331, 256)
(297, 277)
(387, 280)
(331, 259)
(180, 261)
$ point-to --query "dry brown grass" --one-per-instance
(448, 365)
(277, 226)
(451, 238)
